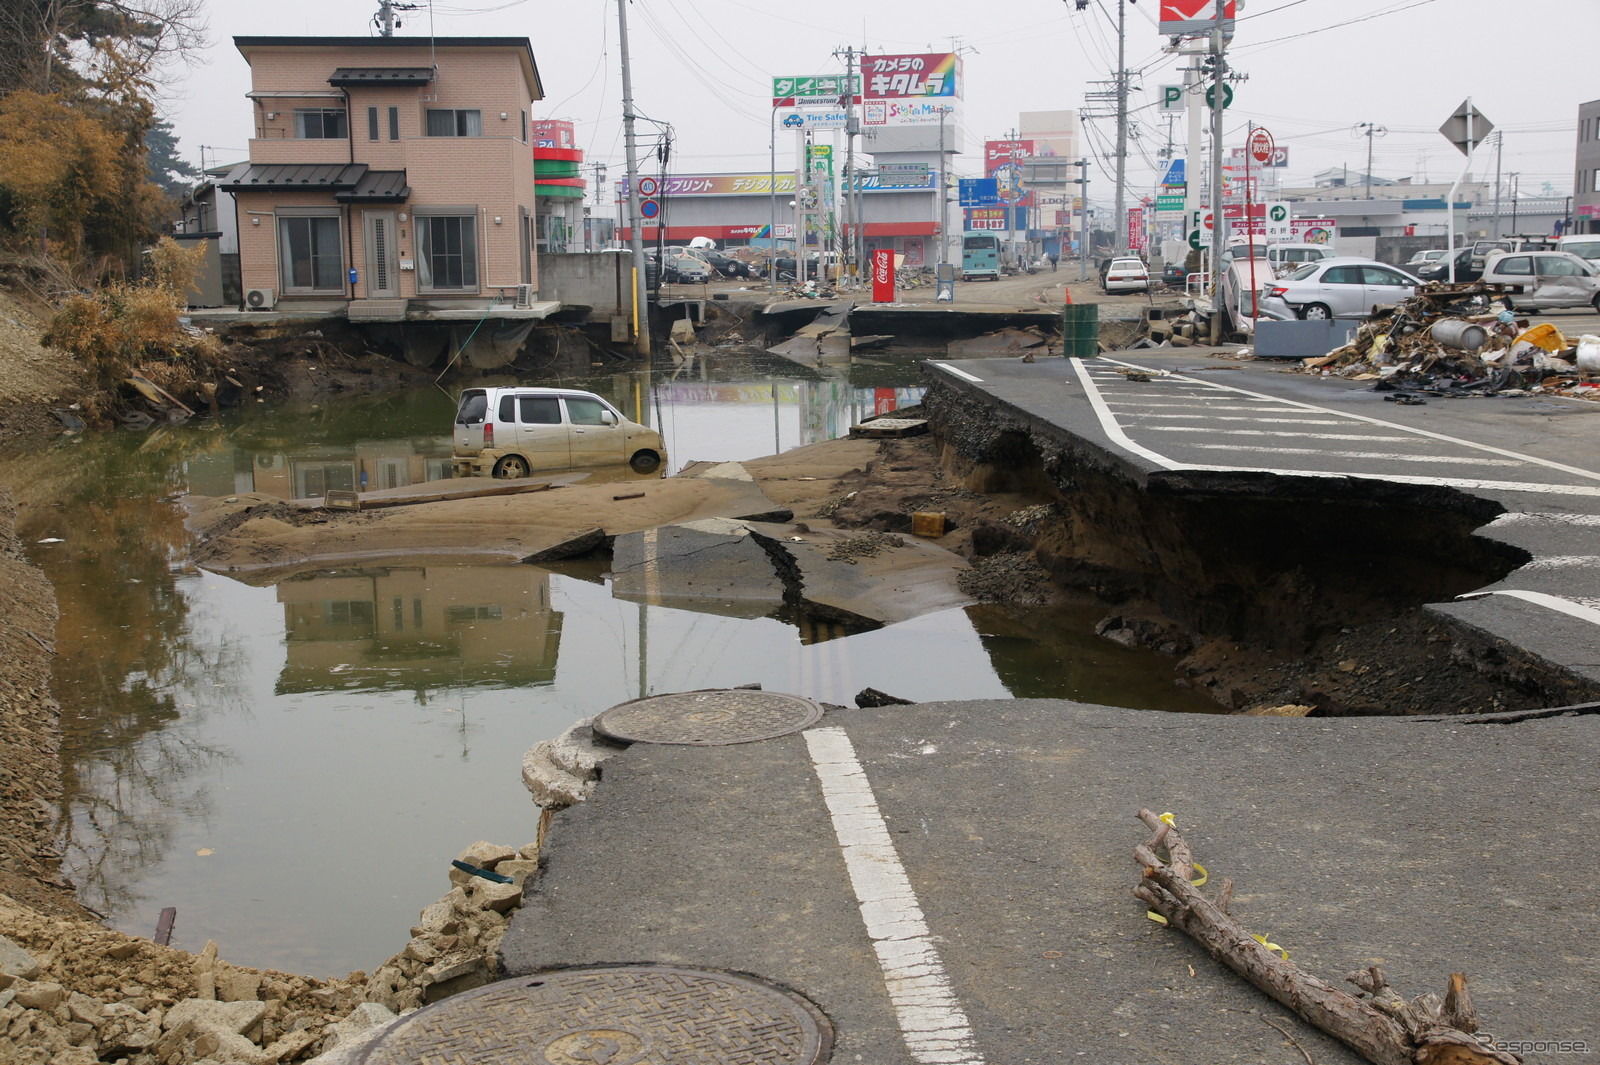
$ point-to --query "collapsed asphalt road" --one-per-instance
(1479, 509)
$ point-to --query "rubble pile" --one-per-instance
(76, 995)
(1462, 340)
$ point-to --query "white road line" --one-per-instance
(1190, 406)
(1241, 418)
(1548, 463)
(1552, 602)
(1114, 432)
(959, 373)
(933, 1024)
(1545, 518)
(1270, 432)
(1564, 562)
(1384, 455)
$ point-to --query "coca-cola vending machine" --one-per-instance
(883, 276)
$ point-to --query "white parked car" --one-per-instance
(513, 432)
(1583, 245)
(1126, 275)
(1343, 287)
(1544, 279)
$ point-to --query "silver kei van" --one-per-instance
(515, 431)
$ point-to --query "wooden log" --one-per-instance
(1386, 1030)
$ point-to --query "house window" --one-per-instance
(318, 123)
(448, 252)
(449, 122)
(394, 123)
(309, 254)
(372, 123)
(524, 127)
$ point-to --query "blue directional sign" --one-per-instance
(979, 192)
(1174, 177)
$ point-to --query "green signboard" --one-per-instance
(812, 86)
(1169, 203)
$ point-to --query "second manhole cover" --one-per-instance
(624, 1015)
(708, 718)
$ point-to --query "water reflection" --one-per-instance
(226, 743)
(418, 628)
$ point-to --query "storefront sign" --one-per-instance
(793, 118)
(827, 89)
(1183, 17)
(910, 77)
(880, 113)
(1136, 228)
(553, 133)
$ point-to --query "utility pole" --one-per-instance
(1118, 223)
(641, 303)
(850, 235)
(387, 17)
(1218, 102)
(1370, 130)
(1082, 181)
(1499, 144)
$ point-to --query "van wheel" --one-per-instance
(645, 462)
(511, 467)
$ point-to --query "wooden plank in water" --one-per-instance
(164, 923)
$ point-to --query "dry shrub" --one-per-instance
(121, 329)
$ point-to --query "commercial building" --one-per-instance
(1586, 181)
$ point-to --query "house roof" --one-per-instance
(377, 186)
(248, 177)
(349, 182)
(378, 45)
(381, 76)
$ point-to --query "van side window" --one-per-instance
(539, 410)
(1519, 264)
(582, 411)
(508, 408)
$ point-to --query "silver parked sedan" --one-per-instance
(1336, 288)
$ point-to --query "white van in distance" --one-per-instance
(513, 432)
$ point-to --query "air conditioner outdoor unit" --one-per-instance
(259, 299)
(524, 297)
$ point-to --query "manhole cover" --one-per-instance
(627, 1015)
(708, 718)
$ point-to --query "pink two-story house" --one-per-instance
(390, 178)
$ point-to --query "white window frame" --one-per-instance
(425, 283)
(301, 114)
(457, 114)
(285, 214)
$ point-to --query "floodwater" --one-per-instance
(292, 767)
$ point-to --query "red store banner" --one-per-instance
(883, 276)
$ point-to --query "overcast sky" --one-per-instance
(1316, 68)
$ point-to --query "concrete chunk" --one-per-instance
(238, 1017)
(16, 961)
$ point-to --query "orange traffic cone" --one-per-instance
(1068, 292)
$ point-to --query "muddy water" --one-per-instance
(293, 766)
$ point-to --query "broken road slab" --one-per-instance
(1402, 842)
(713, 566)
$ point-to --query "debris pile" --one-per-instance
(73, 994)
(1462, 340)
